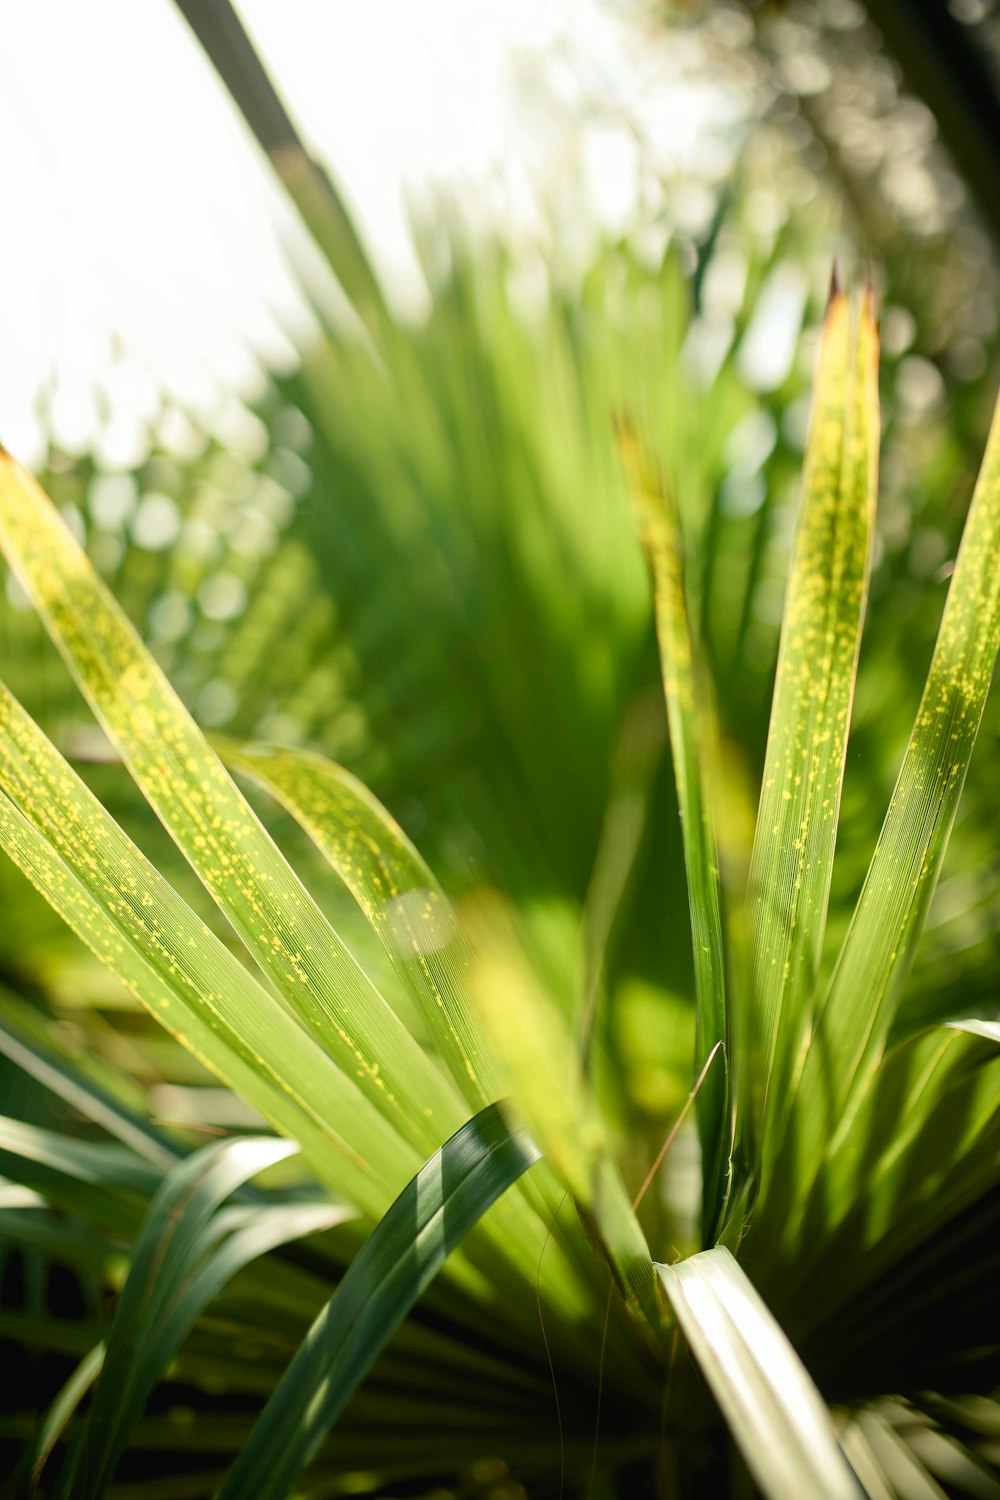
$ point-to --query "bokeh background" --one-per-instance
(572, 211)
(403, 537)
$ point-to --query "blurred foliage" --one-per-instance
(424, 564)
(278, 569)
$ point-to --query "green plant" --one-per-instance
(850, 1181)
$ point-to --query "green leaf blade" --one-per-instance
(211, 822)
(866, 986)
(396, 890)
(173, 1277)
(771, 1405)
(694, 750)
(135, 923)
(446, 1198)
(792, 858)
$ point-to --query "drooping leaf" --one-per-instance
(988, 1029)
(770, 1403)
(451, 1191)
(177, 1267)
(66, 1170)
(84, 1095)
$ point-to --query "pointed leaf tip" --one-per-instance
(836, 289)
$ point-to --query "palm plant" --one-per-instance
(849, 1184)
(842, 1220)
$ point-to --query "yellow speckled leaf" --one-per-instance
(134, 921)
(213, 824)
(395, 889)
(792, 858)
(866, 985)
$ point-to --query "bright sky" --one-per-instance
(137, 208)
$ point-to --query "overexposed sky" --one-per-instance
(137, 209)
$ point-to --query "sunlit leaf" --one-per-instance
(397, 892)
(866, 987)
(63, 839)
(773, 1409)
(211, 821)
(550, 1095)
(420, 931)
(792, 860)
(988, 1029)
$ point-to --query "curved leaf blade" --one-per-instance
(429, 1218)
(170, 1283)
(988, 1029)
(772, 1407)
(85, 1096)
(397, 892)
(27, 1475)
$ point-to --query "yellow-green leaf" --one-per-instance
(792, 858)
(695, 758)
(212, 823)
(71, 848)
(395, 889)
(873, 964)
(550, 1096)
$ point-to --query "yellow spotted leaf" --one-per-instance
(213, 825)
(792, 858)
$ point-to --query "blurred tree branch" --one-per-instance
(946, 69)
(230, 50)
